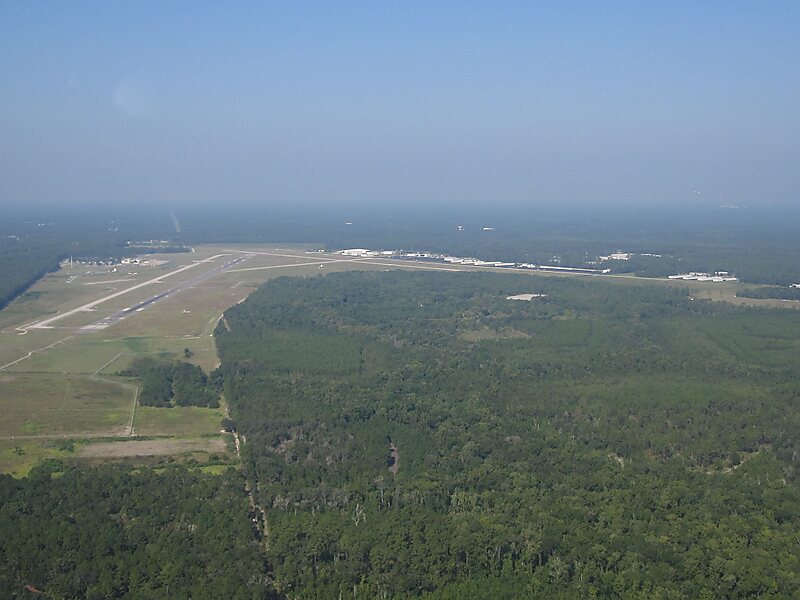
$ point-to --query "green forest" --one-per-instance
(770, 292)
(116, 532)
(34, 241)
(760, 247)
(169, 383)
(419, 435)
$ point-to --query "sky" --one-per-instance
(475, 103)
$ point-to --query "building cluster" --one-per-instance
(615, 256)
(461, 260)
(620, 255)
(113, 262)
(94, 262)
(716, 277)
(157, 243)
(366, 253)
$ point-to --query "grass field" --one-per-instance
(18, 457)
(59, 381)
(43, 404)
(189, 420)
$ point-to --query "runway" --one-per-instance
(140, 306)
(47, 323)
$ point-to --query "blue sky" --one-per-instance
(520, 103)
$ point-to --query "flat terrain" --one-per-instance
(50, 405)
(158, 447)
(608, 418)
(62, 342)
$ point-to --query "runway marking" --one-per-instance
(97, 372)
(109, 281)
(445, 267)
(299, 264)
(45, 324)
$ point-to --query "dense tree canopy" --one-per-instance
(167, 383)
(113, 532)
(608, 440)
(33, 243)
(421, 435)
(777, 293)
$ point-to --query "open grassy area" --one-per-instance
(39, 404)
(18, 457)
(78, 355)
(188, 420)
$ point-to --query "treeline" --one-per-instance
(166, 383)
(759, 246)
(770, 292)
(116, 532)
(696, 240)
(33, 241)
(608, 440)
(22, 263)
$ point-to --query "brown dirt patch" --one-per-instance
(165, 447)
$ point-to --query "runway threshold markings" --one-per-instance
(46, 323)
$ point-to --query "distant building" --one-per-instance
(616, 256)
(717, 277)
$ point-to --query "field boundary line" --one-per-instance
(96, 373)
(133, 412)
(32, 352)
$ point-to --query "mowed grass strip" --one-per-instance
(45, 404)
(185, 420)
(80, 355)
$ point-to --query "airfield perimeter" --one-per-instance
(62, 342)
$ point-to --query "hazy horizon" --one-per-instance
(515, 105)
